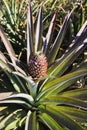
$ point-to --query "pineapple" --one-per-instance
(36, 59)
(37, 65)
(51, 104)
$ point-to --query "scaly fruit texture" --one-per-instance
(37, 65)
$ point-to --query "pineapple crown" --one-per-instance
(38, 54)
(36, 44)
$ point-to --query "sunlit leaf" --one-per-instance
(61, 118)
(61, 100)
(59, 84)
(31, 121)
(50, 122)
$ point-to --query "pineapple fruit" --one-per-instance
(37, 65)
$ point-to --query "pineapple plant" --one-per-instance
(41, 94)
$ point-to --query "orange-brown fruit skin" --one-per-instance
(37, 67)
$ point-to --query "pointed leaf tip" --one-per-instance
(38, 43)
(30, 30)
(49, 36)
(59, 39)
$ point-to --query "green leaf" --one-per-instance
(37, 125)
(27, 120)
(31, 121)
(20, 8)
(81, 35)
(57, 85)
(75, 48)
(13, 117)
(32, 86)
(61, 100)
(61, 118)
(4, 110)
(74, 113)
(80, 93)
(4, 65)
(9, 12)
(15, 101)
(49, 121)
(13, 125)
(13, 79)
(19, 96)
(72, 75)
(59, 39)
(56, 70)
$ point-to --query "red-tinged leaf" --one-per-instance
(59, 39)
(7, 45)
(38, 37)
(29, 33)
(47, 42)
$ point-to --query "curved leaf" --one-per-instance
(13, 117)
(31, 121)
(9, 12)
(78, 44)
(7, 44)
(80, 93)
(19, 96)
(74, 113)
(49, 121)
(61, 100)
(27, 120)
(61, 118)
(57, 85)
(14, 79)
(19, 102)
